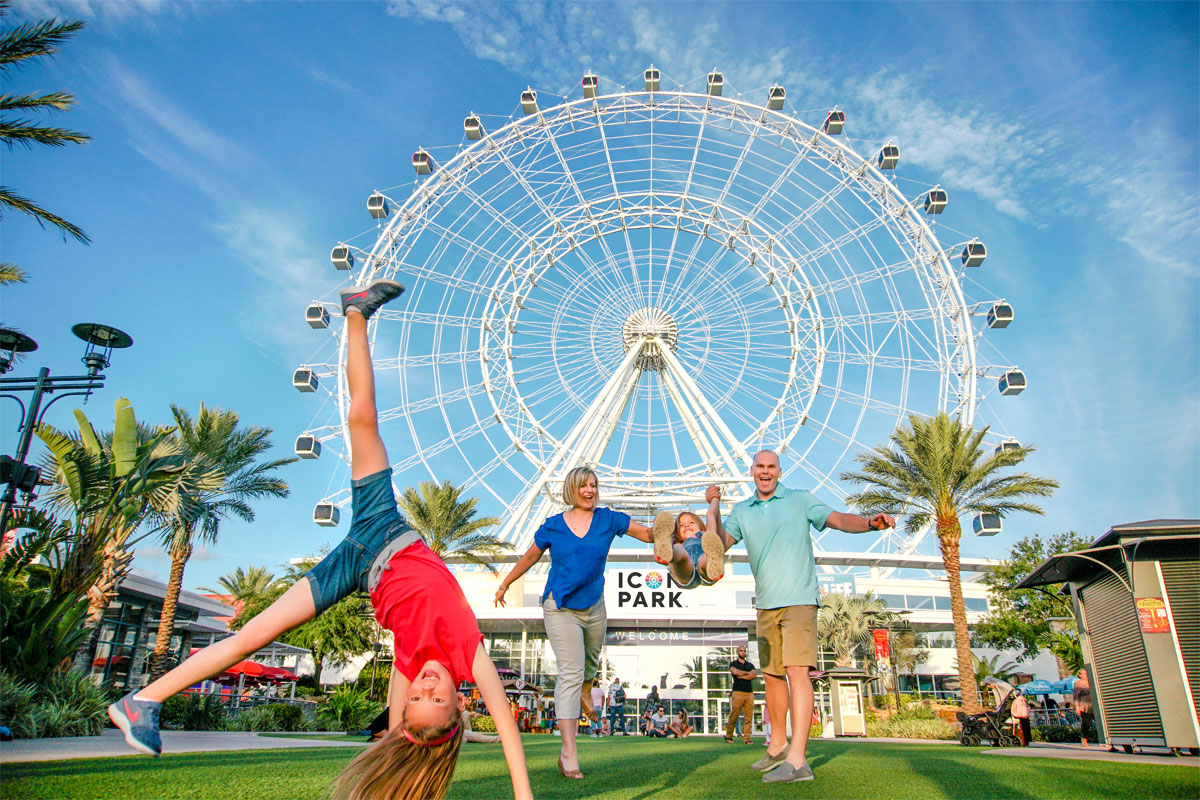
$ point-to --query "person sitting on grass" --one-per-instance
(438, 643)
(644, 722)
(693, 550)
(658, 725)
(680, 726)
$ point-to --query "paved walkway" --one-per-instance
(112, 743)
(1078, 752)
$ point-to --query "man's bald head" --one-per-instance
(766, 472)
(767, 456)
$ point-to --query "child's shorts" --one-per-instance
(377, 532)
(695, 550)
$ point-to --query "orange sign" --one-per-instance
(1152, 615)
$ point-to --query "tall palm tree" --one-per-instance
(448, 523)
(845, 621)
(212, 439)
(935, 471)
(17, 46)
(244, 584)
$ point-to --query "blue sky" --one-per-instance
(234, 143)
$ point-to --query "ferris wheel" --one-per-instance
(656, 282)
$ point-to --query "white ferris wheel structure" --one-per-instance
(655, 282)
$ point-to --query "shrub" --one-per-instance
(272, 717)
(62, 704)
(912, 729)
(194, 712)
(483, 724)
(915, 712)
(815, 730)
(347, 710)
(305, 691)
(1055, 733)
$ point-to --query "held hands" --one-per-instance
(881, 522)
(712, 493)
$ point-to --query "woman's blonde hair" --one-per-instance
(399, 769)
(574, 481)
(679, 519)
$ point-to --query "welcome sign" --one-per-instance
(649, 588)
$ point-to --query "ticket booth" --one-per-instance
(1136, 593)
(846, 689)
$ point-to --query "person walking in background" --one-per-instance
(741, 698)
(774, 523)
(1081, 694)
(573, 603)
(598, 709)
(616, 708)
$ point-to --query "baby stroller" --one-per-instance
(993, 725)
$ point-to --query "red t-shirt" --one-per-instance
(421, 603)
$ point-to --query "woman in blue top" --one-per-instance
(573, 604)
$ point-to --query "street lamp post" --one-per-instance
(100, 341)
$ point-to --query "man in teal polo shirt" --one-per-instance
(774, 524)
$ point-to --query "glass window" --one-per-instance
(919, 601)
(894, 601)
(975, 603)
(941, 603)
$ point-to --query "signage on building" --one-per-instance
(649, 588)
(1152, 615)
(839, 584)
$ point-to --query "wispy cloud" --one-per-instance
(261, 235)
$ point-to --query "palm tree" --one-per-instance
(109, 484)
(212, 440)
(935, 471)
(448, 524)
(17, 45)
(244, 584)
(844, 622)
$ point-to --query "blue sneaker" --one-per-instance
(138, 720)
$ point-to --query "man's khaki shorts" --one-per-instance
(787, 637)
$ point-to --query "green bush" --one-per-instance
(271, 717)
(305, 691)
(483, 724)
(194, 712)
(347, 710)
(1055, 733)
(62, 704)
(915, 712)
(912, 729)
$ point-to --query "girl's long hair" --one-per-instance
(397, 769)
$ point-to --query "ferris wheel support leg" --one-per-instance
(703, 445)
(708, 415)
(518, 525)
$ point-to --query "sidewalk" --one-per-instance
(111, 742)
(1078, 752)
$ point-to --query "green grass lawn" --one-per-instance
(689, 769)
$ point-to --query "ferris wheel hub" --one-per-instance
(647, 323)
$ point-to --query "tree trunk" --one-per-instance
(166, 623)
(949, 534)
(115, 565)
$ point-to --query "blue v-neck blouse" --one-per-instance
(576, 579)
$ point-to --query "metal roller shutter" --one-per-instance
(1122, 672)
(1182, 580)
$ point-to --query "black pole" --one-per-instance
(27, 426)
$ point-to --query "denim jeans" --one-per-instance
(616, 716)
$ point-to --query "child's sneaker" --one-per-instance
(714, 555)
(138, 720)
(663, 533)
(367, 299)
